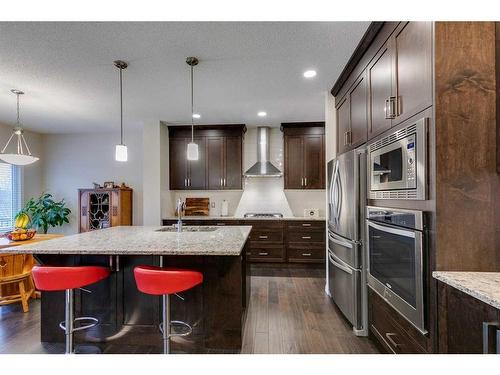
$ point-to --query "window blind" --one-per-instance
(10, 195)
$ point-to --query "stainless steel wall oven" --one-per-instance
(396, 260)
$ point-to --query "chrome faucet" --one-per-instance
(181, 206)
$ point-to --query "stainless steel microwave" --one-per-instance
(397, 164)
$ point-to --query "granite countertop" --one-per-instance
(485, 286)
(298, 218)
(139, 240)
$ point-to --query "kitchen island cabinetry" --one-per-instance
(216, 308)
(467, 325)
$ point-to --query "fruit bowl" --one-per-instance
(21, 234)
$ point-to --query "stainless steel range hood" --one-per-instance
(263, 167)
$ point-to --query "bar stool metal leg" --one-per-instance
(68, 326)
(166, 324)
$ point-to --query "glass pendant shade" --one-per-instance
(22, 154)
(192, 151)
(121, 153)
(18, 159)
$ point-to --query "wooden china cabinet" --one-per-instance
(104, 208)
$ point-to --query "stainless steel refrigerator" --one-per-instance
(346, 270)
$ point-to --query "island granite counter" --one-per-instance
(216, 309)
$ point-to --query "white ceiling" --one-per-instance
(71, 85)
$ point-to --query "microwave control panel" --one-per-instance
(411, 166)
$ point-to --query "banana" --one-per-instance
(22, 221)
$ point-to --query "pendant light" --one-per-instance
(121, 153)
(18, 158)
(192, 148)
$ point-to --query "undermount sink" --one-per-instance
(188, 229)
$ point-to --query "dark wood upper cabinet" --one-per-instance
(215, 163)
(304, 155)
(393, 84)
(352, 116)
(233, 150)
(380, 76)
(359, 112)
(294, 153)
(413, 71)
(178, 163)
(314, 164)
(196, 179)
(220, 157)
(343, 125)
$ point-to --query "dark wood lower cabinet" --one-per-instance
(391, 330)
(465, 324)
(277, 241)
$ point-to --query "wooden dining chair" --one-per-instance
(16, 283)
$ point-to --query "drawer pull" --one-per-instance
(306, 254)
(306, 224)
(221, 224)
(306, 237)
(391, 340)
(263, 237)
(264, 254)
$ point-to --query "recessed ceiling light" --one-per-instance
(196, 115)
(310, 73)
(262, 114)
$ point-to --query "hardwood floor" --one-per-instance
(289, 313)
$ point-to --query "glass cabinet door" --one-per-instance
(99, 210)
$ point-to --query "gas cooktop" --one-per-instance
(263, 215)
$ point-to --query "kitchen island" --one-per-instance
(216, 309)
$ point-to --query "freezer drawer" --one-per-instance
(346, 250)
(345, 289)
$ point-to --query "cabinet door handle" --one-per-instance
(306, 237)
(264, 254)
(306, 224)
(221, 182)
(345, 139)
(302, 181)
(306, 254)
(390, 107)
(391, 340)
(305, 181)
(387, 109)
(185, 182)
(263, 237)
(221, 224)
(486, 336)
(225, 182)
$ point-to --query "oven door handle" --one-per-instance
(339, 241)
(332, 257)
(389, 229)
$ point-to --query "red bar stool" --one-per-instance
(48, 278)
(166, 281)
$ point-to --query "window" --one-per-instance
(10, 195)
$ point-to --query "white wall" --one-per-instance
(73, 161)
(32, 174)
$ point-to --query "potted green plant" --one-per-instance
(45, 211)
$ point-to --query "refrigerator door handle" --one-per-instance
(332, 259)
(336, 193)
(339, 241)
